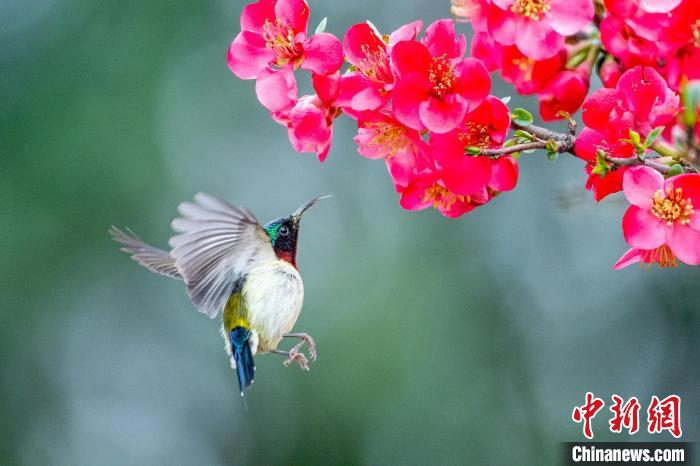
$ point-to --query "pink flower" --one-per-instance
(526, 74)
(536, 27)
(427, 189)
(436, 86)
(310, 121)
(610, 71)
(466, 175)
(273, 32)
(369, 87)
(662, 215)
(641, 101)
(380, 136)
(564, 93)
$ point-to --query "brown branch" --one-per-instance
(565, 143)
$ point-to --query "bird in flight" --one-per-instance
(230, 262)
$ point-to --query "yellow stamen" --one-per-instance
(280, 39)
(442, 198)
(390, 137)
(672, 206)
(441, 75)
(375, 65)
(533, 9)
(662, 256)
(477, 135)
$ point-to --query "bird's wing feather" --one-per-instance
(154, 259)
(215, 245)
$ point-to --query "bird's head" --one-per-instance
(284, 232)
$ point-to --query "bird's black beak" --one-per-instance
(304, 207)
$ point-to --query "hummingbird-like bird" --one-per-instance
(230, 262)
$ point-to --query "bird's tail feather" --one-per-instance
(242, 354)
(154, 259)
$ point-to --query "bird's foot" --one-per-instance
(295, 355)
(305, 338)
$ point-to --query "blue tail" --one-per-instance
(245, 366)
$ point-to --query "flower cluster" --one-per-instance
(418, 102)
(526, 40)
(424, 106)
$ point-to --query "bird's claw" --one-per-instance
(306, 338)
(295, 355)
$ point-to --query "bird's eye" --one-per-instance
(284, 231)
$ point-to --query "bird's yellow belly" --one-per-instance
(273, 294)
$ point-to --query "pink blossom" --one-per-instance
(369, 87)
(526, 74)
(380, 136)
(564, 93)
(273, 32)
(436, 86)
(662, 215)
(486, 128)
(310, 120)
(427, 189)
(537, 27)
(641, 101)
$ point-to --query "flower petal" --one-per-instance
(359, 40)
(323, 53)
(468, 175)
(294, 13)
(407, 96)
(440, 39)
(406, 32)
(473, 82)
(504, 174)
(632, 256)
(690, 184)
(640, 184)
(276, 89)
(410, 57)
(248, 55)
(570, 16)
(642, 229)
(684, 243)
(255, 15)
(442, 115)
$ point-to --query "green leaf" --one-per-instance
(515, 155)
(521, 117)
(578, 58)
(552, 156)
(519, 133)
(322, 25)
(651, 137)
(636, 139)
(676, 169)
(691, 99)
(471, 150)
(551, 146)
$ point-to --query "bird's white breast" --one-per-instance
(274, 294)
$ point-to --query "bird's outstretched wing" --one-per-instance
(154, 259)
(215, 245)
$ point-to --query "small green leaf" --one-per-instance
(552, 156)
(515, 155)
(598, 170)
(676, 169)
(636, 139)
(510, 142)
(551, 146)
(578, 58)
(473, 150)
(521, 117)
(519, 133)
(505, 99)
(651, 137)
(321, 26)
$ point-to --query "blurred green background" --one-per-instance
(441, 341)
